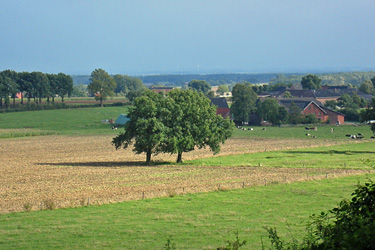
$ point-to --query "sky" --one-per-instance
(136, 37)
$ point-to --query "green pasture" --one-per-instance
(323, 132)
(89, 121)
(192, 221)
(64, 121)
(347, 156)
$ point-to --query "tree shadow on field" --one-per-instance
(329, 152)
(107, 164)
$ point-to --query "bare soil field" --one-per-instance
(77, 170)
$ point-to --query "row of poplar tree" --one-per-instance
(33, 85)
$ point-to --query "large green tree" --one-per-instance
(64, 85)
(146, 127)
(200, 86)
(193, 123)
(7, 87)
(177, 123)
(101, 85)
(311, 81)
(244, 99)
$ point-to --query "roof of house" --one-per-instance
(302, 103)
(162, 87)
(321, 93)
(220, 102)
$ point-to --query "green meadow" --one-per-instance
(192, 221)
(347, 156)
(63, 121)
(89, 121)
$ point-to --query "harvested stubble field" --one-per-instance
(76, 170)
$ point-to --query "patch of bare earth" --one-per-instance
(73, 171)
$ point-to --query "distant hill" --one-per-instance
(353, 78)
(81, 79)
(178, 80)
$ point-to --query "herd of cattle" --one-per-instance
(357, 136)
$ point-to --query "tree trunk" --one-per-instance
(179, 157)
(101, 102)
(148, 156)
(62, 99)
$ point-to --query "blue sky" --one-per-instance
(195, 36)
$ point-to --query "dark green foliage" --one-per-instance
(351, 225)
(132, 94)
(200, 86)
(369, 114)
(124, 84)
(295, 115)
(193, 122)
(309, 119)
(330, 104)
(367, 87)
(268, 110)
(101, 85)
(244, 99)
(145, 128)
(169, 245)
(221, 89)
(351, 114)
(351, 101)
(311, 82)
(233, 245)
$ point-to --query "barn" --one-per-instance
(222, 106)
(312, 106)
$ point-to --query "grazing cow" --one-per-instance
(263, 128)
(314, 136)
(372, 137)
(312, 128)
(360, 134)
(307, 134)
(353, 137)
(332, 129)
(348, 135)
(250, 129)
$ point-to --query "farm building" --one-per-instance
(315, 107)
(321, 95)
(121, 120)
(222, 106)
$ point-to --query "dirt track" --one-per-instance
(72, 171)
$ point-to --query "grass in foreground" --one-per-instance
(348, 156)
(195, 221)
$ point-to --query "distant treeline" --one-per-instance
(346, 78)
(179, 80)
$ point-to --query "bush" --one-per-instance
(349, 226)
